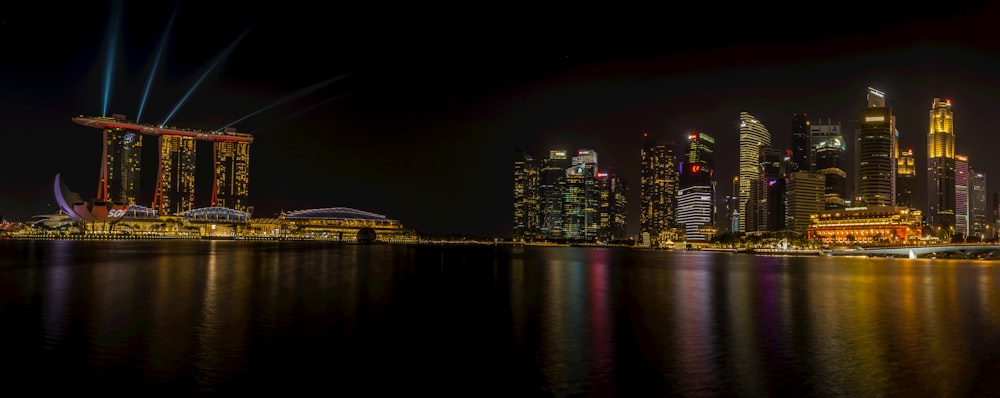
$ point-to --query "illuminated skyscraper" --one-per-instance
(565, 199)
(696, 196)
(962, 195)
(753, 134)
(175, 177)
(552, 185)
(526, 176)
(941, 166)
(979, 212)
(174, 190)
(122, 166)
(613, 207)
(820, 132)
(766, 204)
(733, 207)
(830, 163)
(906, 178)
(658, 193)
(232, 175)
(695, 210)
(804, 197)
(581, 206)
(877, 143)
(801, 145)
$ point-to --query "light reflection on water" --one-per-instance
(235, 317)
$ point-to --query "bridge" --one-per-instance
(958, 250)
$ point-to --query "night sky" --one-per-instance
(415, 112)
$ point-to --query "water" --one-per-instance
(222, 318)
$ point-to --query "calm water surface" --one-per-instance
(192, 318)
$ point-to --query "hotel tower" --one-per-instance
(174, 189)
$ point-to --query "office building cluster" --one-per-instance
(565, 198)
(806, 190)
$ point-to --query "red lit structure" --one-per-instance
(174, 191)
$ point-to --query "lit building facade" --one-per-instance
(766, 206)
(566, 199)
(613, 213)
(696, 196)
(733, 206)
(581, 206)
(979, 211)
(695, 210)
(941, 166)
(174, 189)
(906, 178)
(805, 193)
(552, 186)
(962, 195)
(878, 225)
(120, 171)
(877, 142)
(830, 162)
(658, 185)
(526, 174)
(801, 145)
(231, 185)
(753, 135)
(819, 132)
(175, 176)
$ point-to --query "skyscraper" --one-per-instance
(232, 175)
(613, 207)
(876, 150)
(696, 196)
(804, 193)
(766, 205)
(979, 211)
(753, 134)
(906, 178)
(941, 166)
(830, 163)
(175, 176)
(658, 192)
(526, 169)
(566, 199)
(174, 189)
(821, 131)
(801, 145)
(552, 183)
(962, 195)
(120, 171)
(581, 206)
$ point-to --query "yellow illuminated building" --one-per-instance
(941, 207)
(175, 179)
(867, 226)
(232, 174)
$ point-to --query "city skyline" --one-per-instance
(432, 119)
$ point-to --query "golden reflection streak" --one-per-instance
(206, 336)
(517, 297)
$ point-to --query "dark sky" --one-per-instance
(428, 103)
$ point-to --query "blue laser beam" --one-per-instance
(218, 60)
(297, 94)
(116, 18)
(299, 112)
(156, 63)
